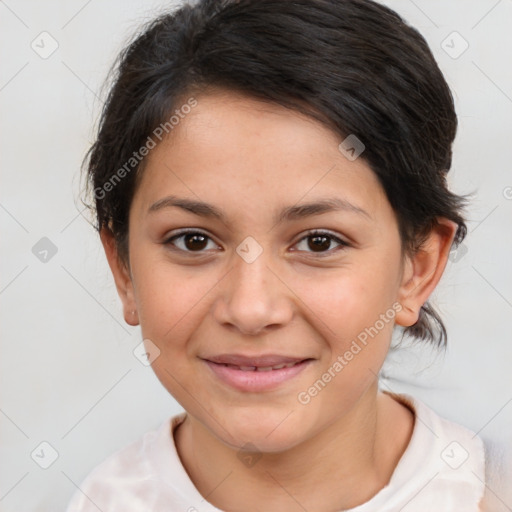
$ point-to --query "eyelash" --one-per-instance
(315, 232)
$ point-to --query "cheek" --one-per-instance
(353, 311)
(355, 343)
(170, 300)
(347, 301)
(172, 304)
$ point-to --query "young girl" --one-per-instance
(270, 188)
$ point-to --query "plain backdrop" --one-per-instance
(69, 377)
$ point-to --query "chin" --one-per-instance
(269, 434)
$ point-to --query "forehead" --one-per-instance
(230, 145)
(225, 118)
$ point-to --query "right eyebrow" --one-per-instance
(290, 213)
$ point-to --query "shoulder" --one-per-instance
(443, 467)
(130, 478)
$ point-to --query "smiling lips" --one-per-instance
(255, 373)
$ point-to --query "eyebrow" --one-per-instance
(290, 213)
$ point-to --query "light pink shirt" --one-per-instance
(442, 470)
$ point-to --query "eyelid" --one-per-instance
(186, 231)
(343, 243)
(319, 231)
(312, 232)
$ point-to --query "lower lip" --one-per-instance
(255, 380)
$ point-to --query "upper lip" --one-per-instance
(258, 361)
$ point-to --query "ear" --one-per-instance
(423, 270)
(122, 277)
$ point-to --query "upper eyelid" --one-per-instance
(318, 232)
(312, 232)
(186, 231)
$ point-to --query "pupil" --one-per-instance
(197, 241)
(320, 242)
(191, 241)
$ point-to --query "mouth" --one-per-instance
(260, 368)
(257, 374)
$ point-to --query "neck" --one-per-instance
(343, 466)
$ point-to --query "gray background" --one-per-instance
(68, 374)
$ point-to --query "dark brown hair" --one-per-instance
(354, 65)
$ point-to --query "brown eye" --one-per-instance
(320, 242)
(195, 242)
(190, 241)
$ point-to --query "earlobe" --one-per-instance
(122, 277)
(423, 271)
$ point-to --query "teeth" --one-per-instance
(261, 368)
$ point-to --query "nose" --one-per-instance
(253, 298)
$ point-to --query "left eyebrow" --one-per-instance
(290, 213)
(330, 204)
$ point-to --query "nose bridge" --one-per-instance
(252, 272)
(253, 298)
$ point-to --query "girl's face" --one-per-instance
(250, 280)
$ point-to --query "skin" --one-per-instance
(251, 159)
